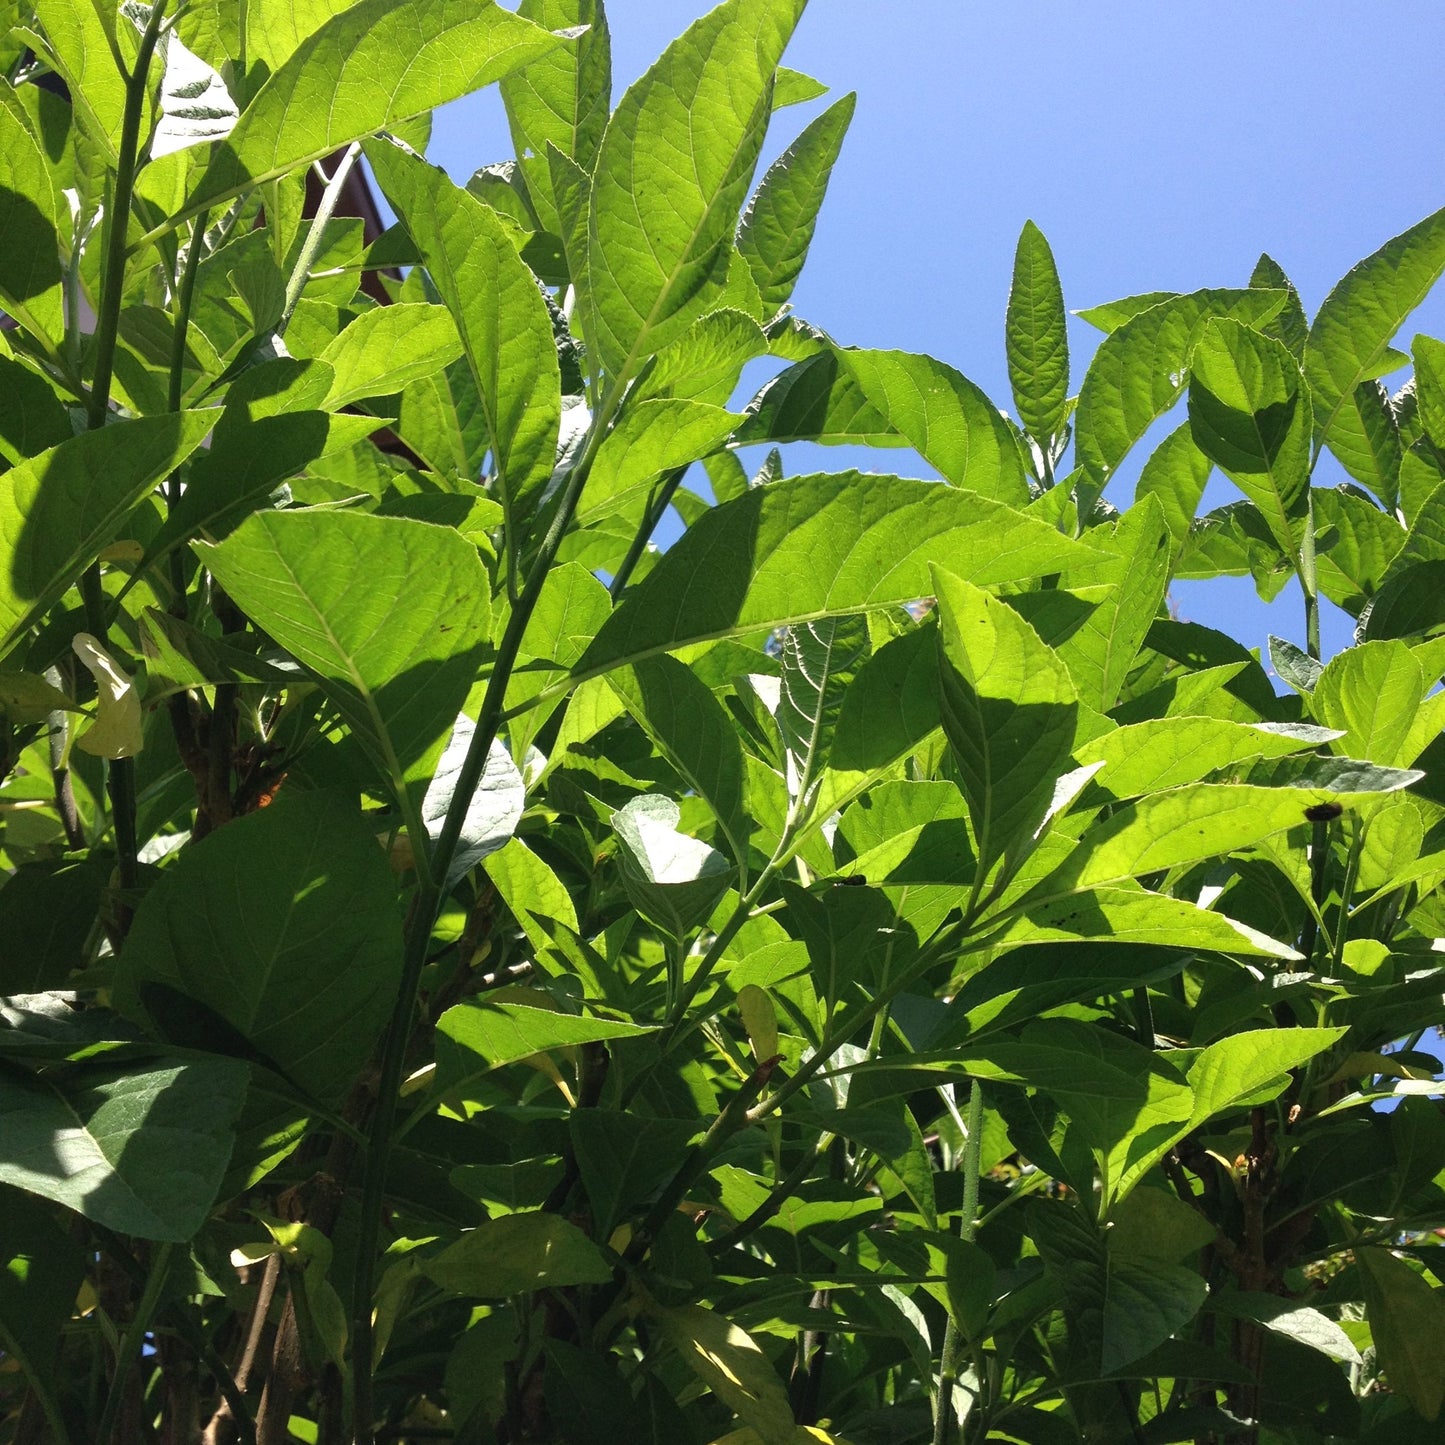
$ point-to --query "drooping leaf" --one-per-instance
(504, 1033)
(950, 422)
(561, 99)
(390, 615)
(141, 1150)
(518, 1253)
(811, 547)
(1009, 709)
(1407, 1316)
(690, 726)
(671, 175)
(57, 510)
(816, 400)
(1250, 414)
(494, 809)
(673, 880)
(286, 925)
(1036, 334)
(1349, 340)
(360, 71)
(1293, 1321)
(1141, 370)
(500, 314)
(777, 227)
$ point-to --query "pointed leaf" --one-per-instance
(650, 438)
(1175, 475)
(817, 400)
(141, 1151)
(382, 350)
(624, 1159)
(1236, 1068)
(561, 99)
(777, 227)
(1141, 370)
(1009, 710)
(819, 661)
(30, 279)
(1250, 414)
(1407, 1321)
(671, 175)
(950, 422)
(673, 880)
(1350, 338)
(516, 1254)
(59, 509)
(819, 546)
(1035, 330)
(500, 314)
(326, 586)
(1372, 694)
(364, 69)
(505, 1033)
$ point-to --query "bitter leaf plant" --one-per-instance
(864, 972)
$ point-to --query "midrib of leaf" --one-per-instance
(116, 1178)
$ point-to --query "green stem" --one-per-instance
(425, 907)
(184, 299)
(1309, 583)
(952, 1336)
(130, 1341)
(324, 210)
(657, 504)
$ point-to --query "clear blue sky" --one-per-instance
(1159, 147)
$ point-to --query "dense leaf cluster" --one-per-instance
(867, 973)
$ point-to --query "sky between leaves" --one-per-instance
(1157, 147)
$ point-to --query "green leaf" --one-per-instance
(693, 731)
(1289, 325)
(285, 924)
(59, 509)
(624, 1159)
(516, 1254)
(673, 880)
(195, 106)
(495, 807)
(777, 227)
(816, 400)
(822, 546)
(942, 414)
(1009, 709)
(32, 417)
(671, 175)
(1366, 441)
(1122, 914)
(531, 890)
(1036, 334)
(500, 314)
(728, 1361)
(1355, 544)
(891, 705)
(390, 615)
(1296, 1322)
(1147, 757)
(1175, 475)
(1373, 694)
(1141, 370)
(41, 1270)
(1349, 342)
(505, 1033)
(30, 279)
(1111, 315)
(1250, 414)
(561, 99)
(141, 1151)
(704, 363)
(382, 350)
(1236, 1069)
(362, 70)
(1407, 1323)
(1429, 357)
(650, 438)
(819, 661)
(47, 910)
(1189, 824)
(1293, 666)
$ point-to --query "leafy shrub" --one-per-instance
(866, 973)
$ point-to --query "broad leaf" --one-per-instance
(516, 1254)
(493, 810)
(1036, 334)
(195, 106)
(673, 880)
(382, 350)
(285, 924)
(777, 227)
(391, 615)
(504, 1033)
(139, 1150)
(817, 400)
(822, 546)
(942, 414)
(1407, 1317)
(1176, 474)
(1141, 370)
(1250, 414)
(59, 509)
(1349, 341)
(671, 175)
(364, 69)
(30, 261)
(624, 1159)
(499, 313)
(1237, 1068)
(1375, 694)
(1009, 709)
(819, 661)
